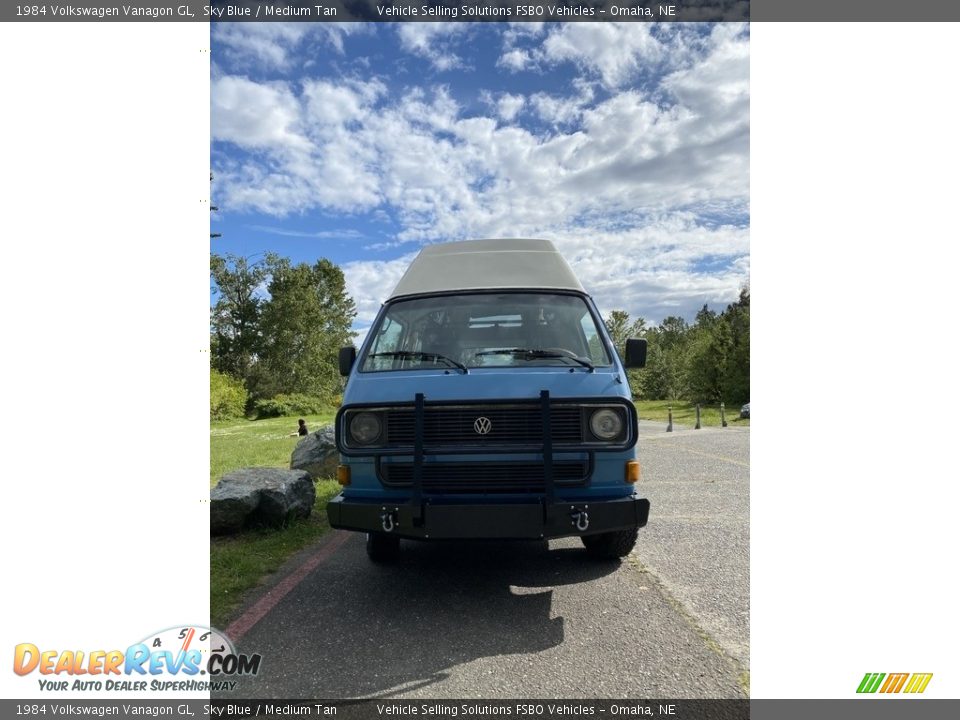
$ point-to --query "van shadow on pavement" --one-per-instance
(354, 629)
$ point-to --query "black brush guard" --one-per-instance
(433, 518)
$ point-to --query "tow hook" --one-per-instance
(580, 519)
(388, 520)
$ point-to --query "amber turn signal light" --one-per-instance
(343, 474)
(633, 471)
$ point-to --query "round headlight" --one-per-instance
(606, 424)
(365, 428)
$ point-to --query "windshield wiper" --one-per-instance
(422, 356)
(531, 354)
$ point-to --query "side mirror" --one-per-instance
(348, 356)
(636, 353)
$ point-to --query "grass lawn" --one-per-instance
(236, 444)
(685, 413)
(238, 563)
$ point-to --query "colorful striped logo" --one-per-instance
(894, 682)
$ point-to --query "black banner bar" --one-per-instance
(379, 11)
(872, 708)
(482, 11)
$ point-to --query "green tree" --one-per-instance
(303, 325)
(706, 318)
(708, 360)
(737, 380)
(718, 365)
(228, 397)
(621, 329)
(665, 377)
(235, 317)
(674, 333)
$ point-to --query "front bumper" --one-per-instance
(433, 520)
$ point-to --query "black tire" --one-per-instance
(611, 545)
(382, 548)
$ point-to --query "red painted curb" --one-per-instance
(241, 626)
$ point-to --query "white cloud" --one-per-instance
(516, 30)
(509, 106)
(516, 60)
(613, 51)
(370, 282)
(338, 105)
(313, 158)
(432, 41)
(256, 115)
(656, 271)
(276, 45)
(562, 110)
(717, 88)
(649, 175)
(322, 234)
(616, 54)
(449, 175)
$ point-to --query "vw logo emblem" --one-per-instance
(482, 425)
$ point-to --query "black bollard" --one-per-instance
(723, 417)
(669, 419)
(697, 426)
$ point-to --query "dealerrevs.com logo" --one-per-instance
(183, 659)
(894, 682)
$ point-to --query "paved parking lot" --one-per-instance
(698, 540)
(508, 620)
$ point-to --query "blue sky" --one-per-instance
(627, 144)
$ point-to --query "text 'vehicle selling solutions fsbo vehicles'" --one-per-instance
(488, 401)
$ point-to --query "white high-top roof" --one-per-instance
(485, 265)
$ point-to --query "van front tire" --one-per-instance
(611, 545)
(383, 548)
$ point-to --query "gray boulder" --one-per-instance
(231, 504)
(317, 454)
(260, 496)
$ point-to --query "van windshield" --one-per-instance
(511, 329)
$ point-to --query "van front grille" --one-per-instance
(508, 425)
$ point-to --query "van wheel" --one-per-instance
(382, 548)
(610, 545)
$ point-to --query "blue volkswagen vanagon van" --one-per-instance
(488, 401)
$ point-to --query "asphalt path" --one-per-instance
(514, 619)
